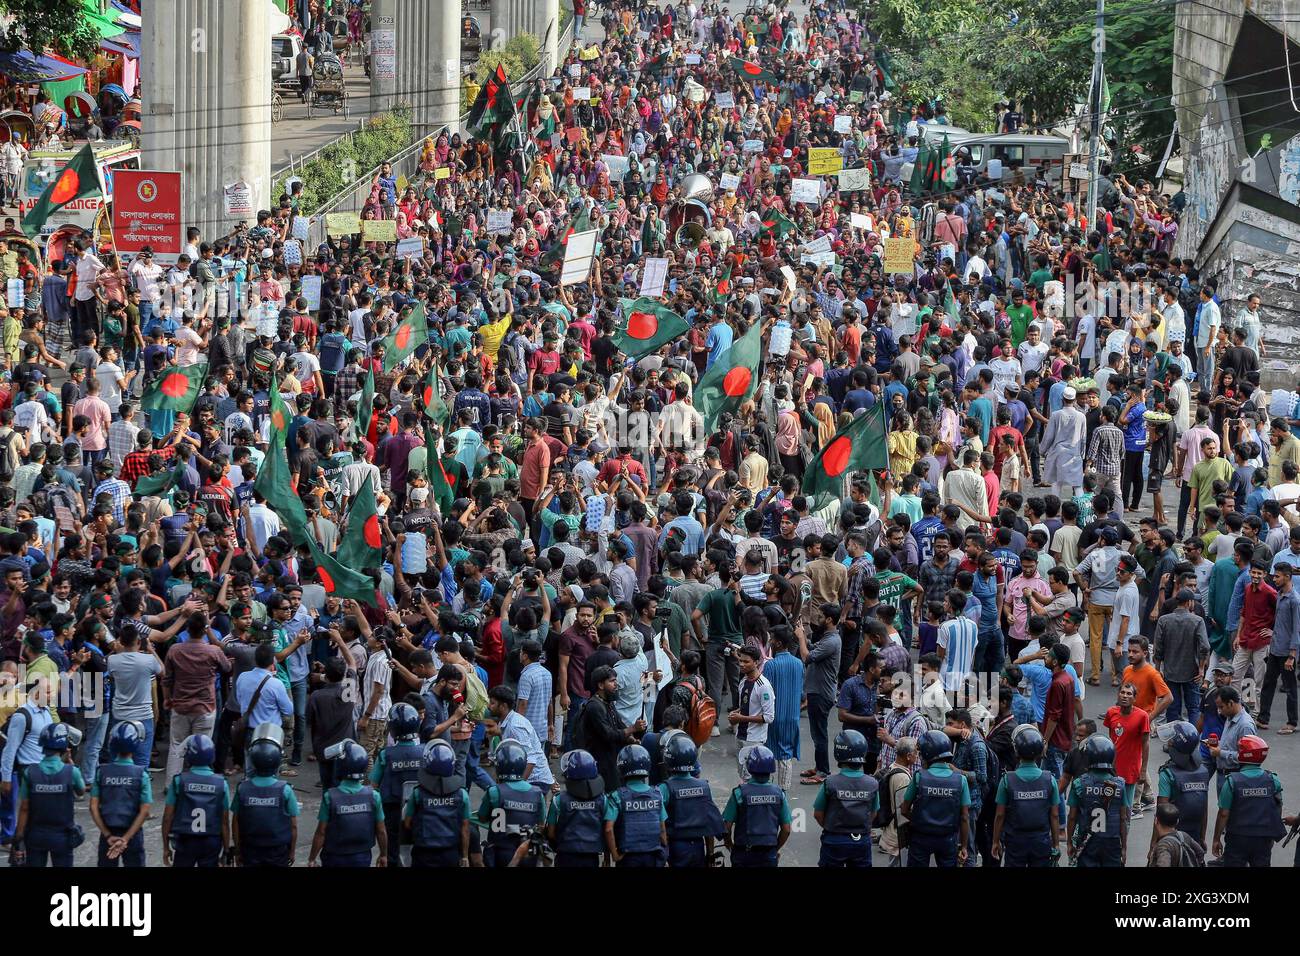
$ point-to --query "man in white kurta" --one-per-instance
(1062, 447)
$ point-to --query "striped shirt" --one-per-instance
(121, 441)
(535, 688)
(1106, 450)
(957, 637)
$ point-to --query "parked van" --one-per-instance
(997, 157)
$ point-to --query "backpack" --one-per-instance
(887, 811)
(993, 772)
(701, 714)
(6, 457)
(331, 352)
(476, 696)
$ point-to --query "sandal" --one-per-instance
(1114, 682)
(1261, 725)
(810, 772)
(1094, 681)
(1288, 729)
(814, 781)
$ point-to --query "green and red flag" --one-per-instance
(412, 331)
(754, 72)
(920, 179)
(774, 223)
(280, 416)
(434, 406)
(495, 104)
(78, 179)
(722, 291)
(944, 171)
(339, 581)
(439, 481)
(362, 544)
(274, 485)
(159, 483)
(366, 406)
(176, 388)
(655, 65)
(731, 380)
(860, 445)
(650, 325)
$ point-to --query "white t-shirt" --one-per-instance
(109, 375)
(762, 700)
(1005, 372)
(378, 671)
(1127, 604)
(305, 366)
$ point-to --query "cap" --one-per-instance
(1221, 669)
(419, 495)
(1185, 595)
(526, 544)
(1109, 535)
(1068, 394)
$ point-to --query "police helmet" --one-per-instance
(266, 749)
(1028, 742)
(55, 739)
(125, 738)
(850, 748)
(934, 746)
(1183, 738)
(1099, 752)
(404, 722)
(680, 753)
(512, 760)
(582, 777)
(350, 764)
(760, 762)
(634, 761)
(200, 751)
(438, 768)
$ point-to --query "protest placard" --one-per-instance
(311, 289)
(854, 180)
(900, 253)
(342, 223)
(843, 123)
(807, 191)
(652, 279)
(823, 161)
(379, 230)
(499, 220)
(729, 181)
(724, 100)
(411, 248)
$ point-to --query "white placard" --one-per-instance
(412, 248)
(14, 295)
(854, 180)
(579, 253)
(729, 181)
(843, 123)
(790, 279)
(383, 41)
(581, 93)
(617, 165)
(724, 100)
(652, 279)
(1078, 170)
(753, 146)
(292, 252)
(818, 259)
(499, 220)
(238, 200)
(575, 70)
(301, 228)
(808, 191)
(859, 221)
(311, 291)
(692, 59)
(818, 245)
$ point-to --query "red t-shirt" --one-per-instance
(1126, 732)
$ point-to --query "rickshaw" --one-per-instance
(113, 103)
(337, 28)
(81, 111)
(471, 40)
(19, 126)
(130, 129)
(17, 239)
(328, 88)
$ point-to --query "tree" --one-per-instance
(58, 25)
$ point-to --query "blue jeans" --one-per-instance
(299, 689)
(1185, 693)
(475, 772)
(571, 720)
(92, 743)
(1055, 762)
(921, 846)
(989, 651)
(819, 709)
(144, 749)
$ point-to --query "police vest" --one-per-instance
(51, 800)
(198, 804)
(263, 820)
(120, 786)
(936, 809)
(351, 825)
(758, 814)
(1191, 793)
(436, 824)
(850, 804)
(1029, 803)
(515, 810)
(637, 828)
(579, 824)
(401, 767)
(691, 811)
(1255, 811)
(1100, 804)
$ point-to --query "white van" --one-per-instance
(998, 156)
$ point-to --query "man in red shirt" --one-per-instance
(535, 470)
(1130, 732)
(1255, 632)
(1058, 714)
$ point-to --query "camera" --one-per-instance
(263, 631)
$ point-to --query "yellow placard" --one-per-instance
(342, 223)
(402, 183)
(442, 172)
(899, 255)
(824, 161)
(379, 230)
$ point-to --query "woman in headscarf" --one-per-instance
(539, 176)
(427, 161)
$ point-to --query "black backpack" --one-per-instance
(6, 457)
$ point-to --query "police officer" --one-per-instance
(436, 815)
(1099, 809)
(266, 811)
(1027, 827)
(121, 799)
(395, 771)
(575, 823)
(1185, 781)
(846, 804)
(351, 817)
(1250, 808)
(757, 814)
(635, 814)
(937, 806)
(511, 808)
(47, 829)
(694, 822)
(198, 804)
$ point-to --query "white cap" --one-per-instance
(419, 495)
(1068, 394)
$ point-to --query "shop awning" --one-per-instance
(23, 66)
(124, 44)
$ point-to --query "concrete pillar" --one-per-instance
(500, 24)
(383, 54)
(206, 94)
(546, 25)
(412, 83)
(444, 64)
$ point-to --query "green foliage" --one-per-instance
(518, 56)
(54, 24)
(326, 175)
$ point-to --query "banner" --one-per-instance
(579, 254)
(311, 290)
(806, 191)
(379, 230)
(900, 254)
(499, 220)
(412, 248)
(147, 212)
(854, 180)
(652, 279)
(342, 224)
(824, 161)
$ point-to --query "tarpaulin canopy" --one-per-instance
(22, 66)
(124, 44)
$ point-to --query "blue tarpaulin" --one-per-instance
(125, 44)
(22, 66)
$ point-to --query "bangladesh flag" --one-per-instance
(650, 325)
(411, 332)
(722, 291)
(280, 416)
(366, 407)
(78, 179)
(858, 446)
(339, 581)
(919, 180)
(439, 480)
(730, 381)
(273, 484)
(434, 406)
(778, 225)
(656, 64)
(944, 171)
(753, 72)
(175, 388)
(160, 482)
(363, 543)
(495, 104)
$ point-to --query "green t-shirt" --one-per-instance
(1040, 278)
(1206, 472)
(723, 616)
(893, 585)
(1020, 316)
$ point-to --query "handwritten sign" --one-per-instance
(442, 172)
(379, 230)
(311, 291)
(238, 200)
(692, 59)
(412, 248)
(617, 165)
(581, 93)
(790, 278)
(729, 181)
(899, 255)
(823, 161)
(724, 100)
(843, 123)
(854, 180)
(859, 221)
(807, 191)
(819, 245)
(652, 280)
(500, 220)
(753, 146)
(575, 70)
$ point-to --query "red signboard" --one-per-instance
(147, 212)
